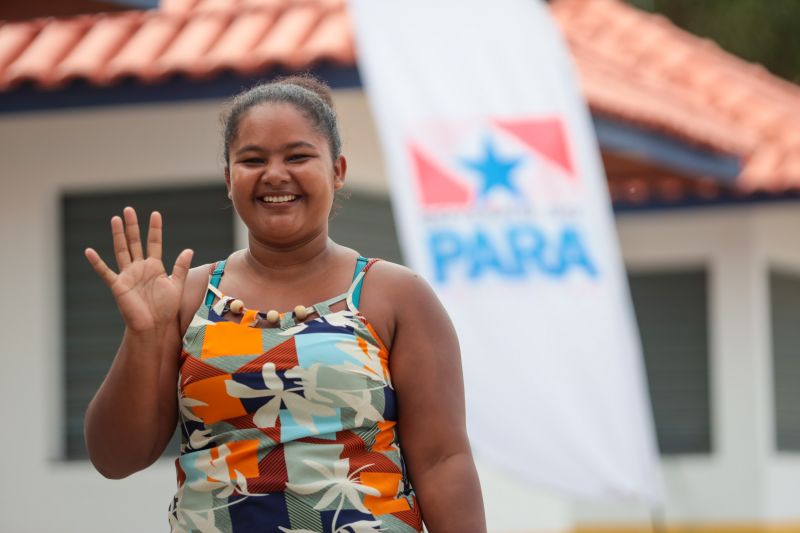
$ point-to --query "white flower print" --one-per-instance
(301, 409)
(350, 368)
(361, 403)
(294, 330)
(366, 354)
(341, 319)
(339, 485)
(200, 438)
(216, 471)
(363, 526)
(185, 404)
(218, 476)
(308, 381)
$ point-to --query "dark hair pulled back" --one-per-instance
(308, 94)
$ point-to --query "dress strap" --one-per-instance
(354, 293)
(217, 270)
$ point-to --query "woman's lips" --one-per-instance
(279, 199)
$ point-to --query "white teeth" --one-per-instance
(278, 199)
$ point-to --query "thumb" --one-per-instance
(181, 268)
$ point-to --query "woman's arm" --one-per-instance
(132, 416)
(425, 365)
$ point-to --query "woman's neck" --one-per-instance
(284, 262)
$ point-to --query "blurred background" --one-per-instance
(697, 112)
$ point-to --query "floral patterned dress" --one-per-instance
(289, 428)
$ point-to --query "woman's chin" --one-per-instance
(281, 236)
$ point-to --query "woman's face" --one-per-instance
(281, 176)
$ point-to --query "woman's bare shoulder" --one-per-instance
(402, 286)
(386, 272)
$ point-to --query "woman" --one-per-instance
(317, 415)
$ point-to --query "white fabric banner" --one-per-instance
(501, 203)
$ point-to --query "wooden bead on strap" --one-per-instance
(273, 316)
(301, 312)
(237, 307)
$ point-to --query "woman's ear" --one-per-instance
(228, 181)
(339, 172)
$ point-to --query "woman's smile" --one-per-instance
(281, 199)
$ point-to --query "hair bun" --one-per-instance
(311, 83)
(308, 94)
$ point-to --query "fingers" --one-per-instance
(182, 264)
(106, 274)
(121, 252)
(132, 233)
(154, 236)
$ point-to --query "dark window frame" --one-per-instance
(666, 397)
(89, 314)
(783, 288)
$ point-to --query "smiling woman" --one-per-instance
(281, 173)
(311, 396)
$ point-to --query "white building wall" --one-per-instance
(43, 155)
(779, 248)
(743, 480)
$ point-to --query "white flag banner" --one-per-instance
(501, 204)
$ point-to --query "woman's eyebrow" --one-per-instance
(249, 148)
(286, 147)
(298, 144)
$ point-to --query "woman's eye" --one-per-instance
(298, 157)
(253, 161)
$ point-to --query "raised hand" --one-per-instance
(148, 299)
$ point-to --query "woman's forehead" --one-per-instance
(276, 113)
(277, 121)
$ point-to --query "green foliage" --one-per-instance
(762, 31)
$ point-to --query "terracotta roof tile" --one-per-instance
(139, 55)
(197, 36)
(329, 41)
(238, 42)
(103, 40)
(38, 61)
(283, 44)
(14, 39)
(177, 6)
(633, 66)
(685, 86)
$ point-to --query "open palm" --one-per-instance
(146, 296)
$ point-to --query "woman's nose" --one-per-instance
(275, 173)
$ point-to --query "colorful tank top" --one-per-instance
(288, 428)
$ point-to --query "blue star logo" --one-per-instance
(495, 170)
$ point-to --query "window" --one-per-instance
(197, 217)
(784, 291)
(672, 313)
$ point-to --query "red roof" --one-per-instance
(195, 38)
(643, 69)
(633, 66)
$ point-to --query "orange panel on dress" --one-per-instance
(228, 338)
(388, 485)
(243, 457)
(219, 405)
(384, 440)
(383, 354)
